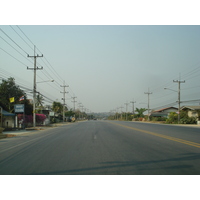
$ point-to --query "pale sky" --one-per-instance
(106, 66)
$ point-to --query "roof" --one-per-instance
(165, 109)
(190, 107)
(5, 113)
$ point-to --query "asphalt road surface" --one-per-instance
(103, 148)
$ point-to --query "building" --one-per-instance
(193, 111)
(164, 112)
(7, 120)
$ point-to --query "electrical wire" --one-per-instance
(13, 41)
(21, 37)
(12, 56)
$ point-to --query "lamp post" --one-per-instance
(45, 81)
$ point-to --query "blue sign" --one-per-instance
(19, 108)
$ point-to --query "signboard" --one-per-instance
(51, 114)
(19, 108)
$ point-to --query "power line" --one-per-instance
(25, 35)
(54, 72)
(13, 41)
(12, 56)
(13, 48)
(20, 37)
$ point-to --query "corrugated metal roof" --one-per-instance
(191, 107)
(165, 109)
(5, 113)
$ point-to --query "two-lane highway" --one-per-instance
(103, 147)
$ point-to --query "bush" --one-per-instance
(184, 118)
(172, 118)
(40, 118)
(158, 118)
(188, 120)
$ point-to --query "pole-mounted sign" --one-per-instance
(19, 108)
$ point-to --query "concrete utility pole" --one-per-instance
(117, 113)
(179, 96)
(1, 116)
(126, 109)
(74, 102)
(79, 105)
(148, 101)
(81, 108)
(34, 83)
(133, 106)
(121, 111)
(64, 92)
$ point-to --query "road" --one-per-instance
(103, 148)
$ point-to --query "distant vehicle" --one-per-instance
(94, 119)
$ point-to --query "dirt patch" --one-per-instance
(2, 136)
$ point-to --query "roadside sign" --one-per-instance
(19, 108)
(51, 114)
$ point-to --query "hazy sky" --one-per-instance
(106, 66)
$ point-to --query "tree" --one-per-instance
(9, 89)
(57, 107)
(140, 112)
(39, 102)
(184, 118)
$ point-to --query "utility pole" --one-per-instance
(1, 116)
(34, 83)
(64, 92)
(126, 109)
(121, 111)
(74, 102)
(133, 106)
(148, 101)
(81, 106)
(117, 112)
(179, 96)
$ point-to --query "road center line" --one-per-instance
(194, 144)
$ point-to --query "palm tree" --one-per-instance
(39, 101)
(57, 107)
(140, 111)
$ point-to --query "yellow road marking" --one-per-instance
(194, 144)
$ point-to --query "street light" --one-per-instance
(45, 81)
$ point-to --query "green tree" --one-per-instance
(9, 89)
(184, 118)
(39, 103)
(140, 112)
(172, 118)
(57, 107)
